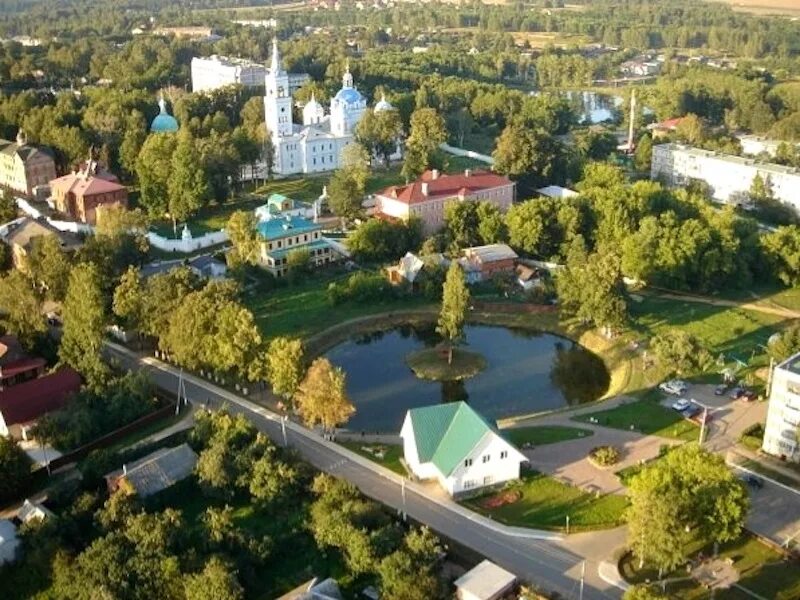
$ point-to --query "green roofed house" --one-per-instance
(456, 446)
(283, 234)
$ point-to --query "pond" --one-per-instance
(526, 372)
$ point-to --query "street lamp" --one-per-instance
(703, 421)
(403, 494)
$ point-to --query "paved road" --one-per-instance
(549, 564)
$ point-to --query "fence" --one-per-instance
(185, 246)
(35, 213)
(467, 153)
(109, 438)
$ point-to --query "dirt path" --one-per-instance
(756, 306)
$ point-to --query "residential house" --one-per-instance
(427, 197)
(153, 473)
(528, 277)
(783, 413)
(20, 233)
(278, 205)
(556, 191)
(663, 129)
(15, 364)
(33, 511)
(282, 235)
(327, 589)
(82, 193)
(487, 581)
(9, 542)
(454, 445)
(21, 405)
(25, 169)
(407, 269)
(204, 266)
(481, 263)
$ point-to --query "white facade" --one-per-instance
(783, 416)
(317, 144)
(490, 462)
(218, 71)
(753, 145)
(728, 176)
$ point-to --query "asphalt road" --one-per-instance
(546, 564)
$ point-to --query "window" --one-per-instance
(504, 454)
(469, 484)
(468, 462)
(488, 480)
(486, 458)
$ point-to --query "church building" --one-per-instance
(316, 145)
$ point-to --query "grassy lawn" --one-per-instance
(147, 430)
(303, 309)
(545, 503)
(544, 434)
(761, 569)
(391, 458)
(646, 416)
(432, 364)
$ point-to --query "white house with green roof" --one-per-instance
(281, 235)
(456, 446)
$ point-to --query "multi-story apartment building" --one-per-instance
(80, 194)
(427, 197)
(213, 72)
(24, 169)
(283, 234)
(729, 177)
(783, 416)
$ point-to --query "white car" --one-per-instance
(681, 405)
(676, 387)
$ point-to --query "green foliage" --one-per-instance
(455, 304)
(285, 365)
(473, 223)
(408, 572)
(376, 240)
(245, 239)
(187, 187)
(530, 156)
(84, 326)
(678, 351)
(345, 194)
(782, 251)
(643, 156)
(688, 494)
(604, 455)
(48, 266)
(154, 170)
(8, 207)
(360, 287)
(379, 132)
(643, 592)
(786, 344)
(322, 398)
(21, 309)
(215, 582)
(427, 131)
(15, 470)
(93, 413)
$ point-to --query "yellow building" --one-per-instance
(24, 168)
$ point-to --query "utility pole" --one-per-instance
(583, 575)
(403, 494)
(283, 430)
(567, 525)
(703, 424)
(181, 393)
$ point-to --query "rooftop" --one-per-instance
(445, 433)
(159, 470)
(730, 158)
(275, 229)
(432, 184)
(485, 581)
(490, 253)
(228, 61)
(27, 228)
(88, 181)
(27, 401)
(556, 191)
(791, 364)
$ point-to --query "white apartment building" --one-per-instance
(783, 416)
(728, 176)
(753, 145)
(213, 72)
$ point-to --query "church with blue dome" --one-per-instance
(316, 145)
(164, 122)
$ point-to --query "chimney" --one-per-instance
(467, 172)
(425, 187)
(434, 175)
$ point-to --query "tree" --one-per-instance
(84, 325)
(376, 240)
(680, 352)
(6, 257)
(154, 171)
(379, 132)
(117, 221)
(407, 573)
(245, 240)
(128, 302)
(782, 251)
(643, 592)
(491, 225)
(15, 470)
(298, 262)
(285, 358)
(8, 207)
(786, 344)
(688, 495)
(345, 194)
(455, 304)
(187, 188)
(461, 220)
(322, 396)
(691, 130)
(215, 582)
(21, 309)
(428, 131)
(532, 229)
(48, 266)
(643, 156)
(527, 155)
(272, 479)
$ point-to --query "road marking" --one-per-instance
(761, 476)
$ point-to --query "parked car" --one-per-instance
(681, 405)
(721, 389)
(691, 411)
(736, 392)
(675, 387)
(754, 482)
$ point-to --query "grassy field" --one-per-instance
(762, 571)
(646, 416)
(432, 364)
(391, 458)
(764, 7)
(544, 434)
(545, 504)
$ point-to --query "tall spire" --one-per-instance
(276, 57)
(162, 104)
(347, 79)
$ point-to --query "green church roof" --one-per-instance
(446, 433)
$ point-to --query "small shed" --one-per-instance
(487, 581)
(155, 472)
(32, 511)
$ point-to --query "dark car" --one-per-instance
(736, 392)
(691, 411)
(721, 389)
(754, 482)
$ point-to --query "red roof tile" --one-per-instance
(30, 400)
(87, 185)
(445, 186)
(21, 366)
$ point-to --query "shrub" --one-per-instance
(604, 456)
(360, 287)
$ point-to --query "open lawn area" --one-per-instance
(762, 571)
(544, 434)
(391, 454)
(646, 416)
(545, 503)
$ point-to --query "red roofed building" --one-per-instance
(15, 365)
(427, 197)
(82, 192)
(664, 128)
(22, 404)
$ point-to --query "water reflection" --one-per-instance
(527, 371)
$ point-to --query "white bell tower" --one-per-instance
(278, 99)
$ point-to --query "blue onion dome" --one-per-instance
(164, 122)
(349, 96)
